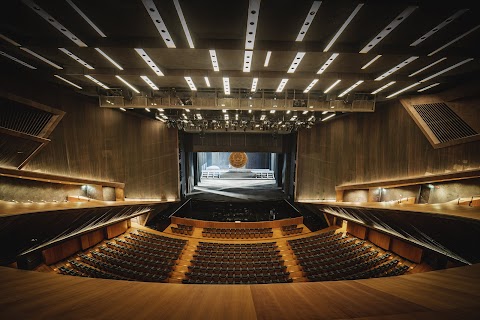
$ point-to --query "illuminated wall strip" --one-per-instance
(356, 84)
(109, 59)
(425, 68)
(207, 82)
(328, 117)
(453, 41)
(128, 84)
(67, 81)
(428, 87)
(343, 27)
(16, 44)
(391, 26)
(149, 61)
(184, 23)
(384, 87)
(371, 61)
(437, 28)
(36, 55)
(282, 85)
(447, 69)
(226, 85)
(267, 58)
(396, 68)
(190, 83)
(296, 62)
(254, 85)
(404, 89)
(247, 61)
(252, 21)
(74, 57)
(213, 57)
(84, 16)
(149, 82)
(310, 86)
(326, 64)
(17, 60)
(333, 85)
(96, 81)
(158, 22)
(308, 20)
(38, 10)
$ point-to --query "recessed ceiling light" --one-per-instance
(84, 16)
(16, 44)
(147, 109)
(128, 84)
(96, 81)
(74, 57)
(254, 85)
(310, 86)
(371, 61)
(333, 85)
(343, 27)
(428, 87)
(252, 21)
(149, 61)
(226, 85)
(190, 83)
(447, 69)
(158, 22)
(38, 10)
(454, 40)
(305, 112)
(396, 68)
(267, 58)
(402, 90)
(440, 26)
(282, 85)
(425, 68)
(214, 58)
(67, 81)
(184, 23)
(247, 61)
(207, 82)
(327, 63)
(188, 110)
(149, 82)
(356, 84)
(123, 109)
(328, 117)
(296, 62)
(108, 58)
(308, 20)
(324, 112)
(272, 111)
(288, 111)
(384, 87)
(36, 55)
(379, 37)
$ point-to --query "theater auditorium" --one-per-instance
(250, 159)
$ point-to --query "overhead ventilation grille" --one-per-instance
(23, 119)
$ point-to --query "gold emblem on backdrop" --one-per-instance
(238, 159)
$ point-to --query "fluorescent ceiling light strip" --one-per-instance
(296, 62)
(267, 58)
(392, 25)
(330, 116)
(190, 83)
(158, 22)
(447, 69)
(252, 21)
(425, 68)
(36, 55)
(324, 112)
(16, 44)
(454, 40)
(396, 68)
(149, 82)
(356, 84)
(310, 86)
(17, 60)
(440, 26)
(96, 81)
(128, 84)
(84, 16)
(37, 9)
(402, 90)
(333, 85)
(247, 61)
(149, 61)
(254, 85)
(343, 27)
(226, 85)
(326, 64)
(282, 85)
(371, 61)
(67, 81)
(213, 57)
(109, 59)
(184, 24)
(207, 81)
(384, 87)
(74, 57)
(428, 87)
(308, 20)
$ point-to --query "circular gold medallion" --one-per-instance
(238, 159)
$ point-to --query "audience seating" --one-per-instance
(237, 233)
(290, 229)
(183, 229)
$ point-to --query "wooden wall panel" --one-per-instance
(406, 250)
(357, 230)
(116, 229)
(61, 251)
(90, 239)
(380, 239)
(216, 224)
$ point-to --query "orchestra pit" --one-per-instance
(250, 159)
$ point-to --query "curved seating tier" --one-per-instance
(240, 233)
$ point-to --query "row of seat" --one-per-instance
(181, 231)
(235, 281)
(321, 254)
(319, 269)
(378, 271)
(246, 277)
(174, 247)
(129, 264)
(89, 271)
(164, 238)
(249, 246)
(146, 248)
(235, 264)
(289, 227)
(237, 233)
(292, 231)
(348, 254)
(319, 236)
(148, 260)
(146, 254)
(240, 270)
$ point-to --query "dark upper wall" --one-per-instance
(364, 147)
(104, 144)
